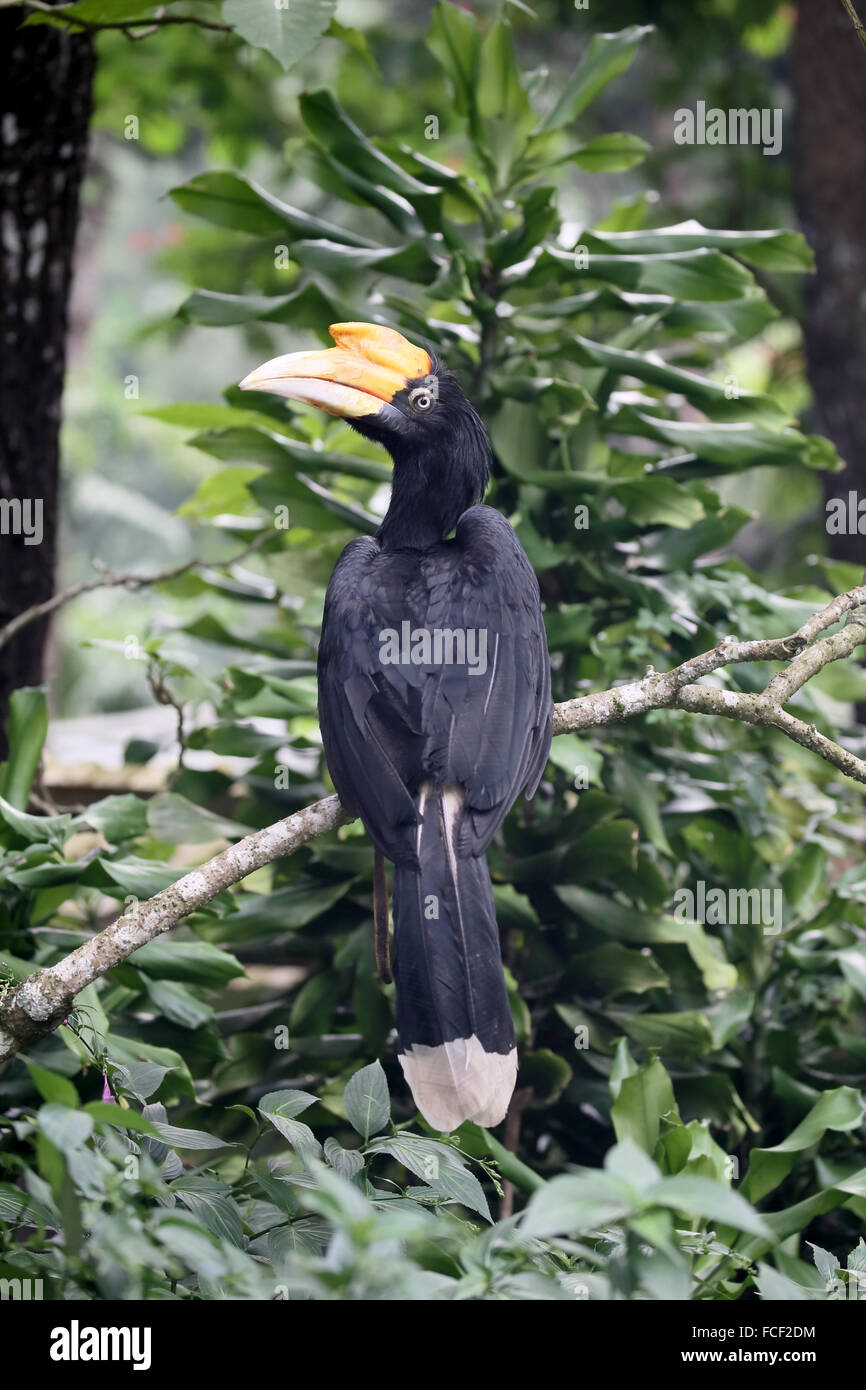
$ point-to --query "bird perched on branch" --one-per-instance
(434, 702)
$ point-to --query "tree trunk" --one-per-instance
(46, 76)
(829, 181)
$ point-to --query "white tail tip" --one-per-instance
(459, 1081)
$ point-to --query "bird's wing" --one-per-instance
(369, 712)
(482, 725)
(488, 732)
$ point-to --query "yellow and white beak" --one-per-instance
(358, 377)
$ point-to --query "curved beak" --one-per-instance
(358, 377)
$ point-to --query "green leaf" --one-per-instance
(210, 1201)
(841, 1109)
(629, 924)
(654, 501)
(368, 1105)
(104, 11)
(733, 445)
(347, 1162)
(455, 42)
(709, 1201)
(66, 1129)
(771, 250)
(338, 134)
(306, 307)
(610, 154)
(178, 1003)
(501, 102)
(606, 56)
(118, 817)
(640, 1104)
(133, 877)
(685, 1033)
(573, 755)
(438, 1165)
(109, 1113)
(36, 829)
(280, 1108)
(176, 821)
(26, 730)
(288, 31)
(53, 1087)
(572, 1205)
(227, 200)
(194, 962)
(702, 275)
(188, 1138)
(708, 395)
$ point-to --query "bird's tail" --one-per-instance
(454, 1022)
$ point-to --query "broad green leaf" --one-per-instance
(26, 729)
(244, 206)
(708, 1201)
(610, 154)
(176, 821)
(367, 1102)
(176, 1002)
(288, 30)
(700, 275)
(53, 1087)
(841, 1109)
(642, 1101)
(329, 124)
(455, 42)
(36, 829)
(573, 1205)
(280, 1108)
(177, 1138)
(194, 962)
(606, 56)
(118, 817)
(438, 1165)
(771, 250)
(306, 307)
(629, 924)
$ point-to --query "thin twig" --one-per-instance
(109, 580)
(380, 918)
(856, 21)
(94, 26)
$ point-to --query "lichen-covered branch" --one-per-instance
(42, 1001)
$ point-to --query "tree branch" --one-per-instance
(95, 26)
(109, 580)
(856, 21)
(41, 1002)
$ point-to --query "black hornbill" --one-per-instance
(431, 750)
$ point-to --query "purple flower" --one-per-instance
(106, 1089)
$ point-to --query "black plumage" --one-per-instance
(432, 753)
(390, 730)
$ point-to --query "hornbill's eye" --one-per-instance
(422, 398)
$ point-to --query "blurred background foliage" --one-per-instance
(649, 410)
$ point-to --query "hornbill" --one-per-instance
(434, 701)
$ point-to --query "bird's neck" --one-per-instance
(431, 491)
(417, 519)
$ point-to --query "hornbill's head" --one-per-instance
(402, 397)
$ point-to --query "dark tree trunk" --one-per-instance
(830, 187)
(45, 78)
